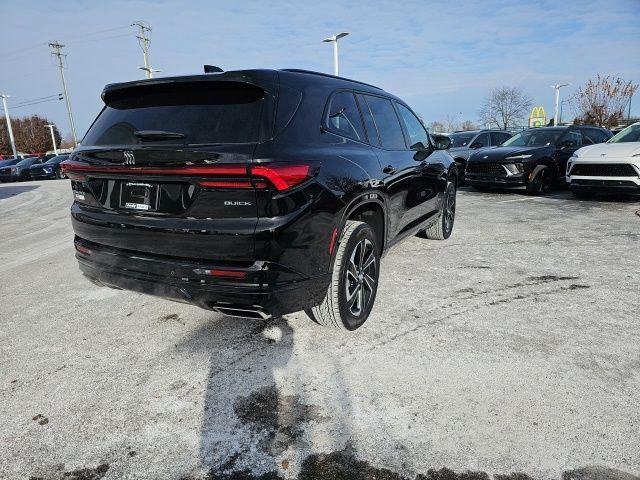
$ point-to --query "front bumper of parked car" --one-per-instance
(611, 176)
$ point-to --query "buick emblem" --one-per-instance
(129, 158)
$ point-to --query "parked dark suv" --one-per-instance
(255, 193)
(464, 143)
(535, 158)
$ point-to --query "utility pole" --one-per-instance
(143, 39)
(557, 87)
(8, 119)
(56, 47)
(335, 39)
(53, 139)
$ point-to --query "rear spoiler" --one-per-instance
(265, 79)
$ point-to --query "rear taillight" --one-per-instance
(282, 177)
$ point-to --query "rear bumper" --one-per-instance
(267, 289)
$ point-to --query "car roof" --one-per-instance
(261, 77)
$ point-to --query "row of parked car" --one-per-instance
(587, 158)
(19, 169)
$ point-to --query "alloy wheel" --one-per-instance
(360, 284)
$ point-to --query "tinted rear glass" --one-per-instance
(204, 112)
(387, 122)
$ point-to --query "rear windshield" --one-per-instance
(202, 113)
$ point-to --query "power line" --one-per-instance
(34, 103)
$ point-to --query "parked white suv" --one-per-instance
(611, 167)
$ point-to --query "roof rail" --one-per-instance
(311, 72)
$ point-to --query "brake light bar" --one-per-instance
(221, 273)
(280, 176)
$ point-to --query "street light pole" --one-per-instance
(53, 139)
(8, 119)
(557, 88)
(335, 39)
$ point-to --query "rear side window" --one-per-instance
(343, 116)
(203, 112)
(369, 124)
(482, 140)
(417, 133)
(387, 122)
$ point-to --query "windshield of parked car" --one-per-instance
(535, 138)
(184, 113)
(56, 159)
(461, 139)
(629, 134)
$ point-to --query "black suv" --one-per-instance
(257, 192)
(535, 158)
(464, 143)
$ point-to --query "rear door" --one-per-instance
(165, 169)
(401, 173)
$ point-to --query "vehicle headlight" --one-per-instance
(518, 157)
(514, 168)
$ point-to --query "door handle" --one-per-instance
(389, 169)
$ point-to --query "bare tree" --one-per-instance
(468, 125)
(451, 123)
(32, 134)
(602, 101)
(436, 127)
(505, 107)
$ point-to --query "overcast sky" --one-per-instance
(441, 57)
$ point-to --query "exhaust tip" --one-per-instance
(255, 314)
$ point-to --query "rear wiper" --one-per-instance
(157, 134)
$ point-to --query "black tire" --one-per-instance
(60, 175)
(542, 180)
(355, 273)
(442, 228)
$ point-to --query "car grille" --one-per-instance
(37, 171)
(5, 171)
(493, 169)
(604, 170)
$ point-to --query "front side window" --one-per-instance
(498, 138)
(415, 129)
(481, 140)
(387, 122)
(343, 116)
(461, 139)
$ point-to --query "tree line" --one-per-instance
(30, 133)
(600, 101)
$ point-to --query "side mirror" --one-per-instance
(476, 145)
(441, 142)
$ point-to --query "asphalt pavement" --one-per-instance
(510, 351)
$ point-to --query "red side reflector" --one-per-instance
(332, 243)
(222, 273)
(82, 249)
(227, 184)
(282, 176)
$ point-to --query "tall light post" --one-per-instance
(335, 39)
(8, 119)
(53, 138)
(557, 88)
